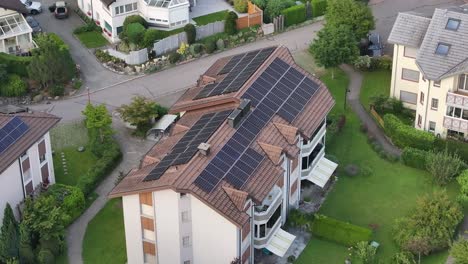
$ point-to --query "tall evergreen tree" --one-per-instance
(9, 240)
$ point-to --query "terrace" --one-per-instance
(15, 35)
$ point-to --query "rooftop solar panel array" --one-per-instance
(11, 132)
(187, 146)
(279, 89)
(238, 69)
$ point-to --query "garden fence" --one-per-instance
(132, 58)
(210, 29)
(254, 17)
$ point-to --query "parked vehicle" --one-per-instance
(375, 48)
(34, 25)
(33, 7)
(61, 10)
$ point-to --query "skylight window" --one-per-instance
(452, 24)
(442, 49)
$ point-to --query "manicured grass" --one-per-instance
(375, 83)
(92, 39)
(322, 252)
(104, 241)
(78, 164)
(210, 18)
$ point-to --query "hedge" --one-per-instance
(111, 156)
(318, 7)
(70, 198)
(453, 146)
(415, 158)
(403, 135)
(294, 15)
(341, 232)
(15, 64)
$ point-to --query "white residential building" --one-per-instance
(15, 33)
(221, 185)
(25, 156)
(430, 69)
(110, 14)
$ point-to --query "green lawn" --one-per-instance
(92, 39)
(78, 164)
(210, 18)
(104, 241)
(375, 83)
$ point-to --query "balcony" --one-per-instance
(263, 242)
(315, 156)
(456, 124)
(318, 135)
(457, 99)
(264, 211)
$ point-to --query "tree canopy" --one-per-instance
(140, 112)
(9, 237)
(352, 13)
(99, 124)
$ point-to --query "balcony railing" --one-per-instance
(321, 153)
(456, 99)
(265, 211)
(262, 242)
(456, 124)
(307, 148)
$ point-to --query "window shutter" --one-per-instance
(26, 165)
(45, 172)
(42, 148)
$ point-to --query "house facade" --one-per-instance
(25, 156)
(430, 67)
(15, 33)
(220, 186)
(110, 14)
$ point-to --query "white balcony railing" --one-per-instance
(456, 124)
(263, 242)
(265, 211)
(305, 173)
(455, 99)
(307, 148)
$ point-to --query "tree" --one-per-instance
(403, 258)
(9, 240)
(99, 122)
(355, 14)
(26, 252)
(274, 7)
(430, 226)
(443, 166)
(462, 180)
(365, 252)
(230, 25)
(334, 46)
(51, 63)
(140, 112)
(459, 251)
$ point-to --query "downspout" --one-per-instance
(427, 102)
(22, 181)
(252, 233)
(396, 69)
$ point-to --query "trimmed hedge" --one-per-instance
(111, 156)
(318, 7)
(403, 135)
(15, 64)
(341, 232)
(191, 33)
(453, 146)
(294, 15)
(415, 158)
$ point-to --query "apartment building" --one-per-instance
(220, 186)
(110, 14)
(15, 33)
(26, 163)
(430, 67)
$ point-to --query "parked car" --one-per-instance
(33, 7)
(375, 48)
(61, 10)
(34, 24)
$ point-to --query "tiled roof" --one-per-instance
(278, 133)
(15, 5)
(409, 29)
(39, 124)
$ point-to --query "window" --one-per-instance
(307, 161)
(437, 83)
(274, 217)
(452, 24)
(419, 120)
(117, 10)
(187, 262)
(410, 52)
(432, 126)
(108, 27)
(407, 97)
(457, 112)
(185, 216)
(119, 29)
(442, 49)
(262, 231)
(421, 98)
(186, 241)
(146, 210)
(121, 9)
(42, 151)
(410, 75)
(434, 104)
(128, 8)
(463, 82)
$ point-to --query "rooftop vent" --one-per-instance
(244, 106)
(235, 117)
(204, 149)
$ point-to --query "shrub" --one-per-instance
(195, 49)
(135, 33)
(294, 15)
(134, 19)
(174, 57)
(318, 7)
(365, 252)
(57, 90)
(26, 252)
(443, 166)
(453, 146)
(210, 46)
(220, 44)
(297, 218)
(240, 6)
(14, 87)
(151, 36)
(338, 231)
(15, 64)
(45, 257)
(415, 158)
(462, 180)
(191, 33)
(362, 63)
(459, 251)
(70, 198)
(403, 258)
(230, 26)
(383, 62)
(54, 245)
(88, 27)
(274, 7)
(9, 238)
(403, 135)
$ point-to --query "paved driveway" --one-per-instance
(95, 75)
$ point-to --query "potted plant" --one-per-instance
(45, 184)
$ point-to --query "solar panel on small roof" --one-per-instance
(11, 132)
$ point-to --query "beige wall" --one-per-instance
(133, 232)
(398, 84)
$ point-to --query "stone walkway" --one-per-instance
(464, 233)
(133, 149)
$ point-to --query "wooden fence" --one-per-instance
(377, 117)
(254, 17)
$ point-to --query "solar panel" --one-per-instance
(238, 69)
(11, 132)
(187, 146)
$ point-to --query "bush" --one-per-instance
(459, 251)
(338, 231)
(453, 146)
(403, 135)
(15, 64)
(403, 258)
(318, 7)
(362, 63)
(443, 166)
(134, 19)
(14, 87)
(210, 46)
(54, 245)
(191, 33)
(415, 158)
(70, 198)
(383, 63)
(294, 15)
(365, 252)
(195, 49)
(230, 25)
(220, 44)
(88, 27)
(57, 90)
(174, 57)
(151, 36)
(240, 6)
(297, 218)
(45, 257)
(135, 33)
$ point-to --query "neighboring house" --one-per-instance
(15, 33)
(110, 14)
(220, 186)
(25, 156)
(430, 69)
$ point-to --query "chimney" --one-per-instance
(234, 118)
(244, 106)
(204, 149)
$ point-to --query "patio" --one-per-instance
(313, 196)
(205, 7)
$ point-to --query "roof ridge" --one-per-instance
(273, 152)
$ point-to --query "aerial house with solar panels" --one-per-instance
(26, 163)
(220, 186)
